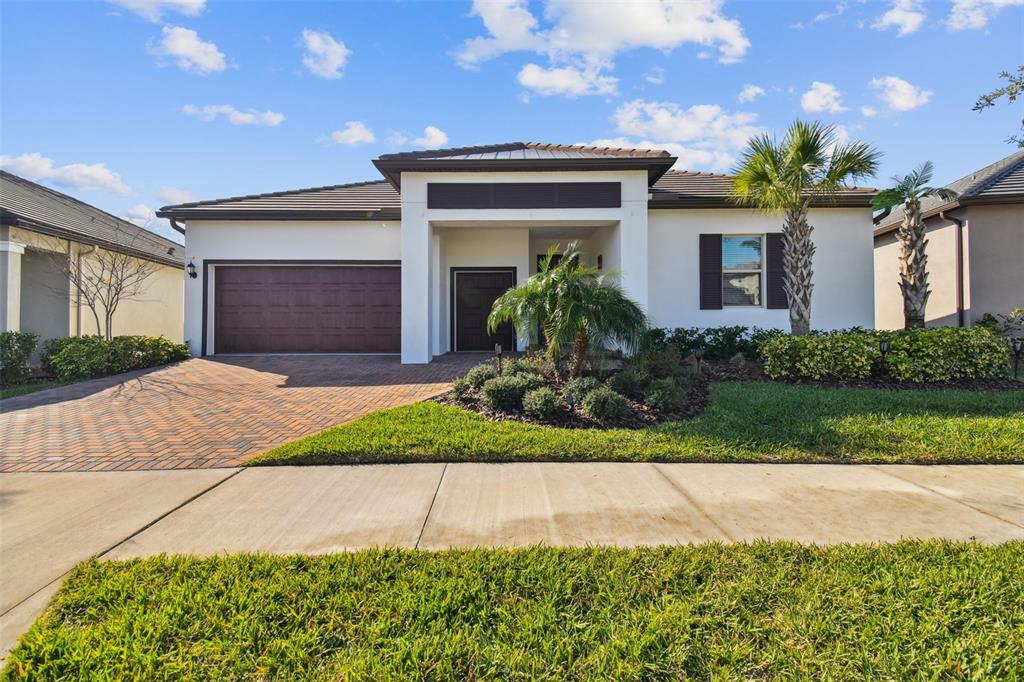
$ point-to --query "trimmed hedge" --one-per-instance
(542, 403)
(915, 355)
(604, 403)
(478, 374)
(15, 352)
(719, 343)
(85, 357)
(506, 392)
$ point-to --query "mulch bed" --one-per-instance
(639, 415)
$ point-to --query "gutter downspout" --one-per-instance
(78, 292)
(959, 260)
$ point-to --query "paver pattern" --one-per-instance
(209, 412)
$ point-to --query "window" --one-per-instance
(742, 266)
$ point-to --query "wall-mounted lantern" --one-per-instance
(191, 270)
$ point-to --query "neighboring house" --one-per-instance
(412, 263)
(975, 250)
(43, 234)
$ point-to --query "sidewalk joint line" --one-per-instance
(675, 486)
(431, 507)
(933, 491)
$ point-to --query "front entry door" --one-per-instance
(475, 291)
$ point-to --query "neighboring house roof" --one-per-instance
(374, 200)
(686, 189)
(999, 183)
(528, 156)
(30, 205)
(380, 199)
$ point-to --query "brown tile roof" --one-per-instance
(999, 182)
(688, 189)
(41, 209)
(375, 199)
(539, 151)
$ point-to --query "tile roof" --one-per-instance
(375, 199)
(687, 189)
(527, 151)
(1002, 181)
(42, 209)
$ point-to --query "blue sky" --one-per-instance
(134, 104)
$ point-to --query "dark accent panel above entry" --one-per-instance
(524, 195)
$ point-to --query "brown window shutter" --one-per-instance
(710, 272)
(775, 292)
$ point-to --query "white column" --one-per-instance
(10, 285)
(633, 257)
(435, 293)
(416, 262)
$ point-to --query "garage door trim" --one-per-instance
(207, 262)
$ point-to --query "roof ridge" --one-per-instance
(264, 195)
(596, 148)
(448, 151)
(68, 199)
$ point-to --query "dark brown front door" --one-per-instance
(307, 309)
(475, 291)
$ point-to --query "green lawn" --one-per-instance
(23, 389)
(913, 610)
(745, 422)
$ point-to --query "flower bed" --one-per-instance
(528, 390)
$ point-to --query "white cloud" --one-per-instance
(750, 92)
(970, 14)
(823, 15)
(145, 217)
(324, 55)
(235, 117)
(190, 52)
(868, 112)
(655, 76)
(154, 10)
(702, 136)
(899, 95)
(83, 176)
(433, 138)
(567, 80)
(906, 16)
(822, 97)
(175, 195)
(584, 37)
(354, 133)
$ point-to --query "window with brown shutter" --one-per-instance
(710, 271)
(775, 292)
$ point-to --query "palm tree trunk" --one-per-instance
(913, 265)
(578, 357)
(797, 264)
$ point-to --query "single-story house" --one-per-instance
(411, 263)
(47, 239)
(975, 250)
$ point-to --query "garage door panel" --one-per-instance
(306, 309)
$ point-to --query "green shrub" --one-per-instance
(629, 383)
(719, 343)
(506, 393)
(945, 354)
(834, 357)
(51, 347)
(664, 362)
(477, 375)
(604, 403)
(577, 389)
(460, 387)
(15, 351)
(85, 357)
(664, 395)
(517, 366)
(542, 403)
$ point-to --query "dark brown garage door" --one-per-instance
(307, 309)
(475, 291)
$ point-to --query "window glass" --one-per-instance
(741, 270)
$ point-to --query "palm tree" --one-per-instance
(809, 166)
(574, 306)
(909, 191)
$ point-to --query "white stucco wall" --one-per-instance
(995, 243)
(843, 268)
(276, 240)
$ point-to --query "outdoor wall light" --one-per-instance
(1018, 350)
(191, 270)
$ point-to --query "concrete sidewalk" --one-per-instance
(50, 522)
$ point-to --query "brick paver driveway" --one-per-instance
(209, 412)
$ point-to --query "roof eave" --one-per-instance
(392, 169)
(202, 213)
(693, 201)
(953, 205)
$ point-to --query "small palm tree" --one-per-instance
(909, 191)
(574, 306)
(809, 165)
